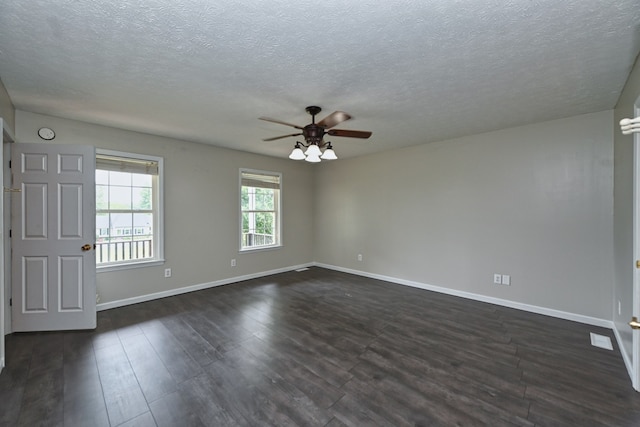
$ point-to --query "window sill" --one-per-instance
(260, 248)
(129, 265)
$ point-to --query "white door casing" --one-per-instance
(2, 283)
(635, 345)
(53, 232)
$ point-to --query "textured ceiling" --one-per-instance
(409, 71)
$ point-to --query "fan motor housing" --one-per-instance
(313, 133)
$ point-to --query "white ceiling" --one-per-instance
(409, 71)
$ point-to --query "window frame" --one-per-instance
(157, 210)
(277, 211)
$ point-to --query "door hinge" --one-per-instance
(10, 233)
(638, 263)
(9, 164)
(10, 302)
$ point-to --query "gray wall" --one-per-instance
(623, 211)
(534, 202)
(201, 208)
(7, 111)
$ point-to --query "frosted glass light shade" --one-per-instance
(296, 154)
(313, 150)
(329, 154)
(313, 159)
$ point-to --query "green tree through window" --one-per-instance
(260, 205)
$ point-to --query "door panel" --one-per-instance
(53, 225)
(34, 284)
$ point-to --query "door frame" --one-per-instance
(6, 138)
(2, 283)
(635, 343)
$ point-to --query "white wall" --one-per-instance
(201, 208)
(623, 212)
(534, 202)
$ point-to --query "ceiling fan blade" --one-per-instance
(333, 119)
(267, 119)
(349, 133)
(280, 137)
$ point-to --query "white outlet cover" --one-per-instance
(506, 279)
(497, 279)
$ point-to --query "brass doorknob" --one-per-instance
(86, 247)
(634, 323)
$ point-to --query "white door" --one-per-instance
(53, 232)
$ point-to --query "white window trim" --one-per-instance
(158, 259)
(278, 216)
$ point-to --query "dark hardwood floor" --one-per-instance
(316, 348)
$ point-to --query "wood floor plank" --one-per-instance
(172, 410)
(122, 394)
(289, 400)
(42, 400)
(11, 399)
(153, 377)
(144, 420)
(314, 386)
(417, 393)
(83, 398)
(193, 343)
(177, 361)
(242, 399)
(353, 410)
(315, 362)
(203, 393)
(415, 370)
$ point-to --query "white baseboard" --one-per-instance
(478, 297)
(627, 362)
(192, 288)
(468, 295)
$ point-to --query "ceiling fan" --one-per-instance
(313, 134)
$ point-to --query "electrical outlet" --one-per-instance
(497, 279)
(233, 262)
(359, 257)
(167, 272)
(506, 279)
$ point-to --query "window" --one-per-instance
(128, 209)
(260, 209)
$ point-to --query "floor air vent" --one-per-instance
(601, 341)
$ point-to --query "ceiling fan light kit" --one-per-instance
(629, 126)
(329, 154)
(313, 134)
(297, 153)
(313, 159)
